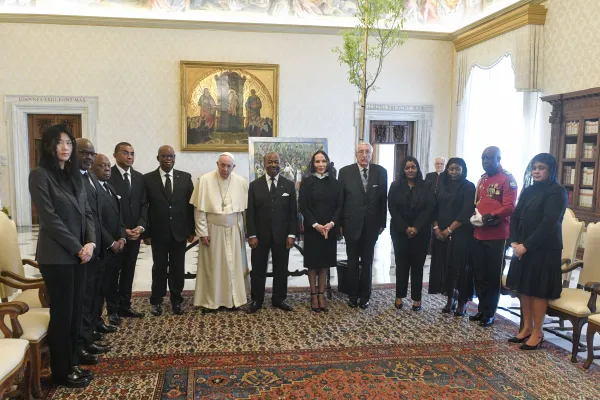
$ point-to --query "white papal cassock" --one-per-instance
(222, 276)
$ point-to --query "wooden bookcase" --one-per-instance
(574, 142)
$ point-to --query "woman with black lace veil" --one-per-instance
(536, 239)
(450, 267)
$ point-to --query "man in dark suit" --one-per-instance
(271, 223)
(113, 236)
(363, 196)
(95, 268)
(432, 178)
(170, 223)
(129, 185)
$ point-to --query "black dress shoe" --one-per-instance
(177, 309)
(525, 346)
(364, 305)
(114, 319)
(97, 336)
(130, 313)
(283, 306)
(73, 380)
(476, 317)
(86, 358)
(103, 328)
(486, 322)
(353, 303)
(84, 373)
(459, 313)
(209, 311)
(97, 348)
(515, 339)
(156, 310)
(253, 307)
(399, 306)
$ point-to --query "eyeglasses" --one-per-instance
(85, 153)
(367, 152)
(127, 154)
(167, 156)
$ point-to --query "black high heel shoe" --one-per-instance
(525, 346)
(448, 310)
(417, 308)
(515, 339)
(461, 311)
(399, 306)
(317, 309)
(322, 309)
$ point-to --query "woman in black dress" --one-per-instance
(411, 203)
(536, 238)
(318, 202)
(66, 240)
(455, 203)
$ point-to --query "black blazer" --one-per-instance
(406, 210)
(135, 206)
(268, 219)
(537, 220)
(113, 227)
(169, 216)
(431, 178)
(66, 221)
(93, 201)
(362, 210)
(455, 205)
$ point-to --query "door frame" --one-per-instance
(16, 109)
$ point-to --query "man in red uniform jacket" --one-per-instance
(495, 200)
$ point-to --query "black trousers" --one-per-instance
(120, 294)
(410, 255)
(359, 280)
(169, 266)
(64, 284)
(488, 260)
(259, 258)
(93, 288)
(110, 282)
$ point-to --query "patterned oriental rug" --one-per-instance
(379, 353)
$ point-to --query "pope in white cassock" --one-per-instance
(220, 198)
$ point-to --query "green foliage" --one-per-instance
(383, 20)
(5, 211)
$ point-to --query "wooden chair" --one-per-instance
(12, 273)
(16, 355)
(593, 324)
(575, 304)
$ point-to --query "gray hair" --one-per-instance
(363, 143)
(440, 158)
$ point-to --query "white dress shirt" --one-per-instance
(269, 183)
(163, 177)
(88, 178)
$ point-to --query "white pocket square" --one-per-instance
(375, 185)
(118, 197)
(285, 194)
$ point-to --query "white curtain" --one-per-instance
(493, 113)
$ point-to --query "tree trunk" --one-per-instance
(363, 94)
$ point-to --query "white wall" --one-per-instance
(135, 74)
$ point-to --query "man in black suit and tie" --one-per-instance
(363, 195)
(433, 177)
(129, 185)
(113, 236)
(94, 268)
(271, 223)
(170, 223)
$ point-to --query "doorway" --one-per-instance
(36, 124)
(392, 141)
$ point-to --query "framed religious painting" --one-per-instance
(225, 104)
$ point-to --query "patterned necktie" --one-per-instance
(127, 181)
(168, 185)
(272, 190)
(366, 178)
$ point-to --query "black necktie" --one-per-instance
(127, 182)
(168, 186)
(87, 179)
(272, 191)
(365, 174)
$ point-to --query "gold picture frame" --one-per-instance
(223, 104)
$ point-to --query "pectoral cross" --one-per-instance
(223, 205)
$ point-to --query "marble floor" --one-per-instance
(383, 272)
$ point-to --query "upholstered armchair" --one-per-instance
(577, 304)
(593, 322)
(12, 273)
(16, 361)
